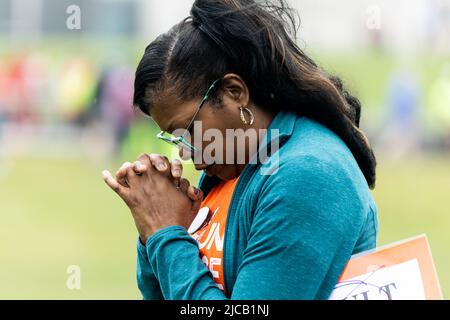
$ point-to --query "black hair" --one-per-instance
(256, 40)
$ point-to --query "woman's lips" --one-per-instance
(208, 169)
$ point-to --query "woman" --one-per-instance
(282, 228)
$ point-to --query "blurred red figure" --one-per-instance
(19, 90)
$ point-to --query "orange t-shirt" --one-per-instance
(210, 236)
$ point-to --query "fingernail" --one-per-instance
(140, 167)
(162, 166)
(105, 174)
(176, 172)
(125, 164)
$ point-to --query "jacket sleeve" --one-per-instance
(303, 231)
(147, 282)
(305, 226)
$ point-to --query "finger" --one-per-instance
(131, 176)
(196, 195)
(176, 168)
(139, 168)
(161, 163)
(184, 186)
(121, 174)
(145, 160)
(114, 185)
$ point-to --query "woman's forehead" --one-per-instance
(170, 113)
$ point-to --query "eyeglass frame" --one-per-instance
(176, 141)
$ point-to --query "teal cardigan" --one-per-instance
(288, 234)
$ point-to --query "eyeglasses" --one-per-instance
(181, 141)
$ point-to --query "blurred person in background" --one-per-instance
(22, 91)
(4, 113)
(19, 96)
(4, 84)
(401, 122)
(75, 91)
(438, 112)
(113, 98)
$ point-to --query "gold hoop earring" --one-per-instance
(249, 112)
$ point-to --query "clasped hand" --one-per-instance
(156, 193)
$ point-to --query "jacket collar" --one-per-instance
(284, 121)
(280, 129)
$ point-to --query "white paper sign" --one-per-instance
(398, 282)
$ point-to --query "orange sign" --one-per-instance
(400, 271)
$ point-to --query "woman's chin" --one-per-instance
(223, 172)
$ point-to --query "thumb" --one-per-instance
(196, 195)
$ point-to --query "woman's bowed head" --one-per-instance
(153, 188)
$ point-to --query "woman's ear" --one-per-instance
(236, 89)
